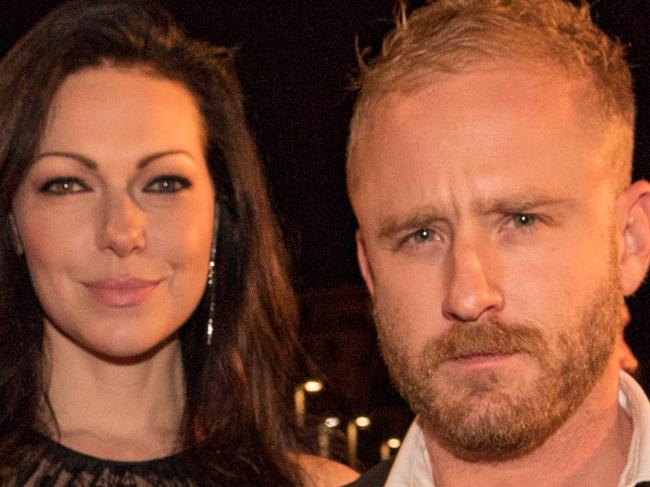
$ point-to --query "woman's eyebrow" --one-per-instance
(157, 155)
(89, 163)
(92, 165)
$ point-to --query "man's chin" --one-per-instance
(485, 416)
(484, 426)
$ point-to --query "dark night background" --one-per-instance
(295, 61)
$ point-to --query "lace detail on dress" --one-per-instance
(38, 461)
(58, 466)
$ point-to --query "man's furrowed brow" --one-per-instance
(523, 203)
(419, 218)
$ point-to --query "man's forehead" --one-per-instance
(510, 91)
(488, 87)
(510, 129)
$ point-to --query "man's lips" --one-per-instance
(482, 353)
(121, 291)
(482, 359)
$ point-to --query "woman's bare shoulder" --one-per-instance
(321, 472)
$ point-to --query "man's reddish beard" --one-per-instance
(477, 419)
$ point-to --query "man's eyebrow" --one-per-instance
(428, 215)
(418, 218)
(92, 165)
(518, 203)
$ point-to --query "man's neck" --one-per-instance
(590, 448)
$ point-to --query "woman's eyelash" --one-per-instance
(63, 186)
(167, 184)
(60, 186)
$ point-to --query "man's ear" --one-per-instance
(364, 264)
(634, 254)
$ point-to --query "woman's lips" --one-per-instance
(121, 292)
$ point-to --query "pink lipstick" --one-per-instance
(121, 291)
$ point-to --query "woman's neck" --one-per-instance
(118, 410)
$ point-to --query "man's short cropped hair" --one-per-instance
(447, 37)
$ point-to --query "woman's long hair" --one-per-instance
(236, 417)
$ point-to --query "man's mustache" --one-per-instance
(492, 337)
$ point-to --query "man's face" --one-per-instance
(487, 240)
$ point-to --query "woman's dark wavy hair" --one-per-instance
(236, 416)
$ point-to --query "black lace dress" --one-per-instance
(49, 464)
(44, 463)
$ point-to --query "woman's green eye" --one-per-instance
(167, 184)
(63, 186)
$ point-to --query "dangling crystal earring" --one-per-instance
(210, 290)
(15, 236)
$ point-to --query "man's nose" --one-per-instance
(122, 228)
(472, 288)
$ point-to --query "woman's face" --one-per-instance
(116, 214)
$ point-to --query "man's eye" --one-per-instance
(524, 220)
(424, 235)
(167, 184)
(64, 186)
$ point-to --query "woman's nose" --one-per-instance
(122, 229)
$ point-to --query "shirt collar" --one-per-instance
(412, 467)
(635, 403)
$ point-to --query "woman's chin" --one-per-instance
(130, 349)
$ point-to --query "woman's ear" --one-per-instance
(15, 236)
(634, 254)
(364, 263)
